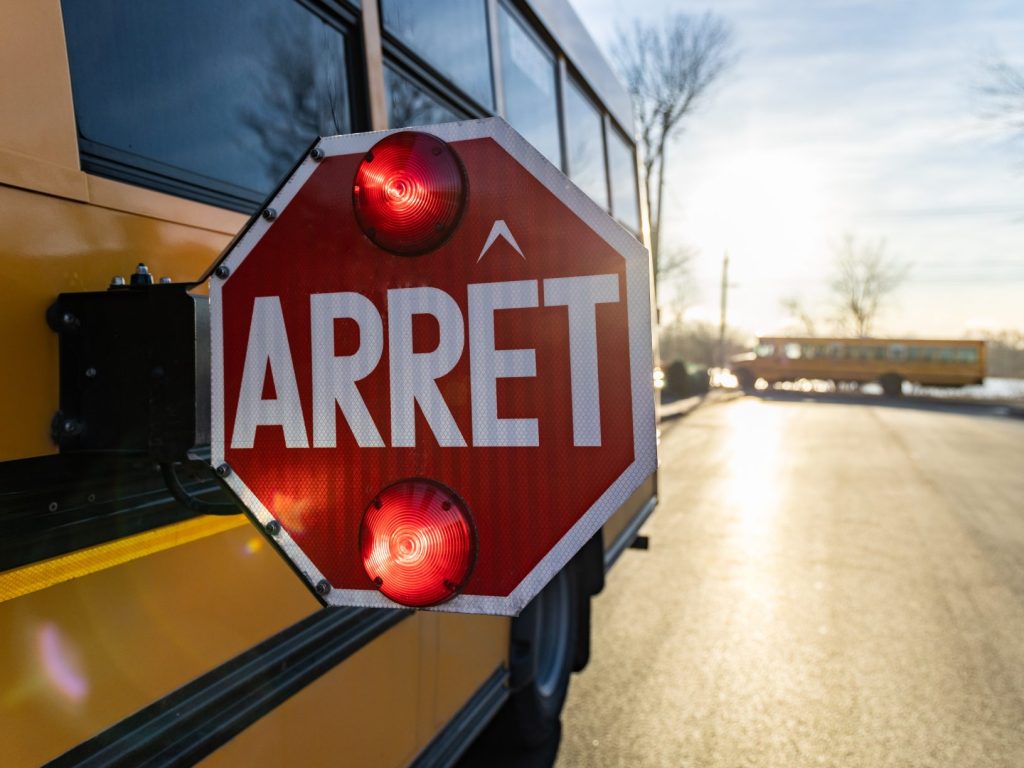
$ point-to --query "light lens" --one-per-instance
(418, 543)
(409, 193)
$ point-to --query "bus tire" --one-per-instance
(746, 380)
(892, 384)
(542, 655)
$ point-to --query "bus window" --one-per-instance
(792, 350)
(429, 30)
(584, 143)
(408, 104)
(967, 355)
(947, 354)
(898, 352)
(836, 351)
(765, 349)
(812, 351)
(622, 169)
(210, 103)
(529, 76)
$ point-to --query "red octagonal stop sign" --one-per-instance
(500, 379)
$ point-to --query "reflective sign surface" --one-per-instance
(511, 365)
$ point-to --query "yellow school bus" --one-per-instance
(142, 619)
(890, 362)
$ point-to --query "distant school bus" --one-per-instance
(134, 628)
(890, 362)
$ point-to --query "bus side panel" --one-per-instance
(362, 712)
(619, 522)
(469, 649)
(37, 119)
(385, 703)
(83, 654)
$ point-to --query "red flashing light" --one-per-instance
(409, 193)
(418, 543)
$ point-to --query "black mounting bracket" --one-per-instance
(134, 370)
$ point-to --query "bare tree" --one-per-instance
(668, 67)
(302, 95)
(1003, 93)
(796, 309)
(865, 275)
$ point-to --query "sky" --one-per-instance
(847, 117)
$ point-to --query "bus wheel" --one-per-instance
(892, 384)
(746, 380)
(541, 659)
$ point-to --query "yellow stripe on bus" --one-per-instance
(30, 578)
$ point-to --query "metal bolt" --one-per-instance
(52, 506)
(273, 527)
(269, 214)
(90, 373)
(91, 498)
(222, 271)
(69, 319)
(317, 154)
(223, 470)
(70, 426)
(116, 281)
(165, 281)
(141, 278)
(323, 587)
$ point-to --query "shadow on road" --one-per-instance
(485, 755)
(965, 407)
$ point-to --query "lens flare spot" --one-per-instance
(292, 512)
(253, 545)
(60, 663)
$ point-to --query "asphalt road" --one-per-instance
(829, 583)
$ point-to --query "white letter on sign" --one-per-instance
(582, 295)
(334, 378)
(414, 374)
(268, 343)
(488, 364)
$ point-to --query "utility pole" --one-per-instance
(723, 308)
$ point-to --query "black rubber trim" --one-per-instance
(621, 544)
(53, 505)
(448, 746)
(189, 724)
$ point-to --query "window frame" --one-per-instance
(530, 29)
(612, 127)
(571, 79)
(418, 81)
(349, 19)
(121, 165)
(411, 65)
